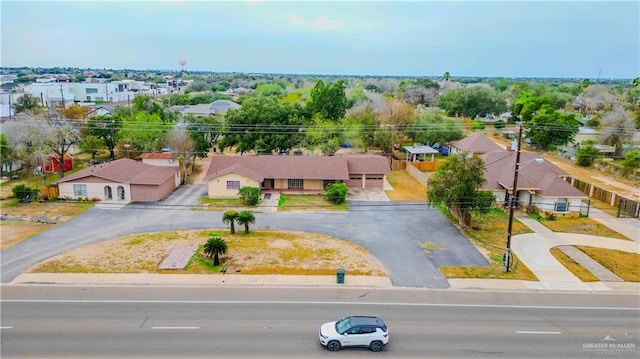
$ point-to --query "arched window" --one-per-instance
(121, 193)
(108, 194)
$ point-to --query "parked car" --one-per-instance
(355, 331)
(444, 151)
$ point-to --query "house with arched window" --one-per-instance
(120, 181)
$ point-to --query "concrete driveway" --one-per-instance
(394, 232)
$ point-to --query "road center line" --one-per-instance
(1, 328)
(535, 332)
(175, 328)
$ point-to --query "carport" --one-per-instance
(419, 153)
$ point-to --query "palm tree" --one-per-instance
(245, 218)
(214, 247)
(230, 217)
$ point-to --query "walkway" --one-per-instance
(533, 249)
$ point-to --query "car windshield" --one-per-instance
(342, 325)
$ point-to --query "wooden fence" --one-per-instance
(626, 207)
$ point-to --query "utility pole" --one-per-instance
(513, 203)
(62, 95)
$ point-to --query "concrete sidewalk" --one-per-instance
(533, 249)
(317, 281)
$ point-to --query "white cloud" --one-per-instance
(319, 23)
(296, 20)
(322, 23)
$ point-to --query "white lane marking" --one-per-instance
(254, 302)
(6, 328)
(535, 332)
(176, 328)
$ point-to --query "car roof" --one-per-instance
(363, 320)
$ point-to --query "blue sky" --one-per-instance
(580, 39)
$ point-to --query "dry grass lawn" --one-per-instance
(582, 225)
(259, 252)
(623, 264)
(574, 267)
(405, 187)
(489, 234)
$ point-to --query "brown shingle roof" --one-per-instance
(477, 144)
(545, 177)
(299, 167)
(124, 171)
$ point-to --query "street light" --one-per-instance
(512, 200)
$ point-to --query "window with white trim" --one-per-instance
(80, 190)
(233, 184)
(562, 205)
(295, 183)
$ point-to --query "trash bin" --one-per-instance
(340, 276)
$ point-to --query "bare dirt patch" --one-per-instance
(262, 252)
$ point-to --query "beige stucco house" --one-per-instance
(228, 173)
(120, 181)
(541, 185)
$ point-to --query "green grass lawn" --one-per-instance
(224, 204)
(308, 202)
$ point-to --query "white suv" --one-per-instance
(356, 331)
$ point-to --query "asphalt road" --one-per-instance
(54, 322)
(393, 232)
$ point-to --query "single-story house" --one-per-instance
(120, 181)
(228, 173)
(541, 185)
(159, 159)
(218, 107)
(476, 144)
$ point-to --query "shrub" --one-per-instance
(586, 155)
(21, 191)
(477, 124)
(250, 196)
(336, 193)
(500, 124)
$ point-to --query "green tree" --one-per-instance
(456, 184)
(250, 196)
(430, 126)
(325, 135)
(263, 125)
(549, 128)
(477, 124)
(631, 162)
(203, 131)
(328, 101)
(473, 102)
(26, 103)
(91, 144)
(214, 247)
(362, 120)
(144, 131)
(245, 218)
(229, 217)
(6, 154)
(586, 155)
(273, 89)
(336, 193)
(107, 129)
(446, 76)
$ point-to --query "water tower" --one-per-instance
(183, 64)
